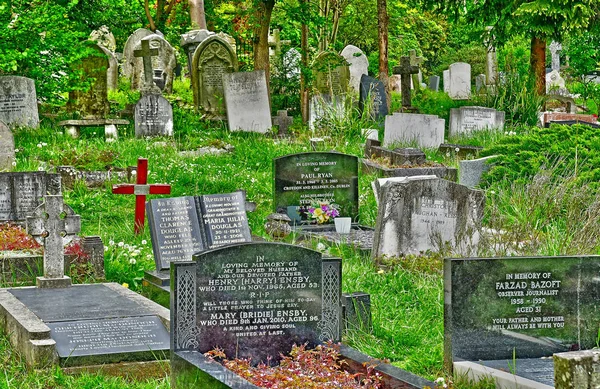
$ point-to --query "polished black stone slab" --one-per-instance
(78, 303)
(109, 336)
(539, 369)
(520, 307)
(224, 218)
(306, 178)
(372, 91)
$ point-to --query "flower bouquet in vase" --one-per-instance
(323, 212)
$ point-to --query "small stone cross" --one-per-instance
(405, 70)
(283, 121)
(53, 224)
(415, 61)
(147, 53)
(140, 189)
(276, 43)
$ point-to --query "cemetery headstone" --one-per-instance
(18, 102)
(519, 310)
(465, 120)
(359, 65)
(105, 38)
(555, 83)
(141, 189)
(471, 170)
(422, 130)
(324, 108)
(460, 81)
(406, 70)
(53, 224)
(161, 66)
(434, 83)
(491, 59)
(7, 148)
(112, 73)
(93, 101)
(372, 94)
(283, 122)
(416, 61)
(182, 226)
(275, 43)
(190, 42)
(213, 58)
(131, 44)
(555, 48)
(480, 83)
(306, 178)
(153, 116)
(22, 192)
(332, 74)
(247, 101)
(419, 215)
(446, 79)
(250, 302)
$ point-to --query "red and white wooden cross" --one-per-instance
(140, 189)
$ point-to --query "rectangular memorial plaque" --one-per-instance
(530, 306)
(306, 178)
(252, 300)
(22, 192)
(225, 220)
(109, 336)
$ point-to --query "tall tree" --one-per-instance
(197, 16)
(541, 20)
(263, 12)
(163, 10)
(382, 23)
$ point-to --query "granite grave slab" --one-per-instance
(18, 102)
(465, 120)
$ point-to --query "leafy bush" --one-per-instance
(13, 237)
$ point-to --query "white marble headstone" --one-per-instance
(465, 120)
(247, 101)
(359, 65)
(460, 81)
(410, 128)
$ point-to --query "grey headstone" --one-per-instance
(190, 42)
(153, 117)
(555, 48)
(372, 93)
(491, 66)
(247, 101)
(7, 148)
(471, 170)
(421, 130)
(105, 38)
(112, 73)
(415, 216)
(465, 120)
(163, 64)
(434, 83)
(283, 121)
(92, 102)
(22, 192)
(357, 311)
(359, 65)
(94, 248)
(555, 83)
(460, 81)
(323, 109)
(446, 74)
(18, 102)
(331, 73)
(130, 45)
(480, 83)
(577, 369)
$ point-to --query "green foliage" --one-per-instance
(436, 103)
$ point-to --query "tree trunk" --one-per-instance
(197, 16)
(382, 23)
(538, 64)
(261, 36)
(304, 101)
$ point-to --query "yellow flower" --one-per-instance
(125, 285)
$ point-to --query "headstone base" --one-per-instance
(50, 283)
(360, 237)
(505, 378)
(156, 286)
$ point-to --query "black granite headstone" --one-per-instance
(372, 91)
(182, 226)
(305, 178)
(520, 307)
(254, 300)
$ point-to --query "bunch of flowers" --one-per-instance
(322, 212)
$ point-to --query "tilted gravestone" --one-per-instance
(460, 81)
(359, 65)
(112, 73)
(465, 120)
(512, 314)
(22, 192)
(415, 216)
(92, 101)
(415, 129)
(213, 58)
(372, 94)
(18, 102)
(7, 148)
(331, 73)
(53, 224)
(153, 116)
(247, 101)
(306, 178)
(162, 64)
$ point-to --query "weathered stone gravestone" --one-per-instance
(406, 70)
(555, 48)
(163, 63)
(306, 178)
(213, 58)
(275, 43)
(22, 192)
(53, 224)
(331, 73)
(480, 83)
(7, 148)
(359, 65)
(512, 314)
(471, 170)
(434, 83)
(130, 45)
(18, 102)
(247, 101)
(283, 122)
(263, 328)
(415, 216)
(446, 79)
(555, 83)
(105, 38)
(190, 42)
(112, 73)
(460, 81)
(153, 116)
(372, 96)
(91, 102)
(395, 83)
(465, 120)
(420, 130)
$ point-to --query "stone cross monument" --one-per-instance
(406, 70)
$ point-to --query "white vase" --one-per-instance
(343, 224)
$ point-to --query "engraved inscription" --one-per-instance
(225, 219)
